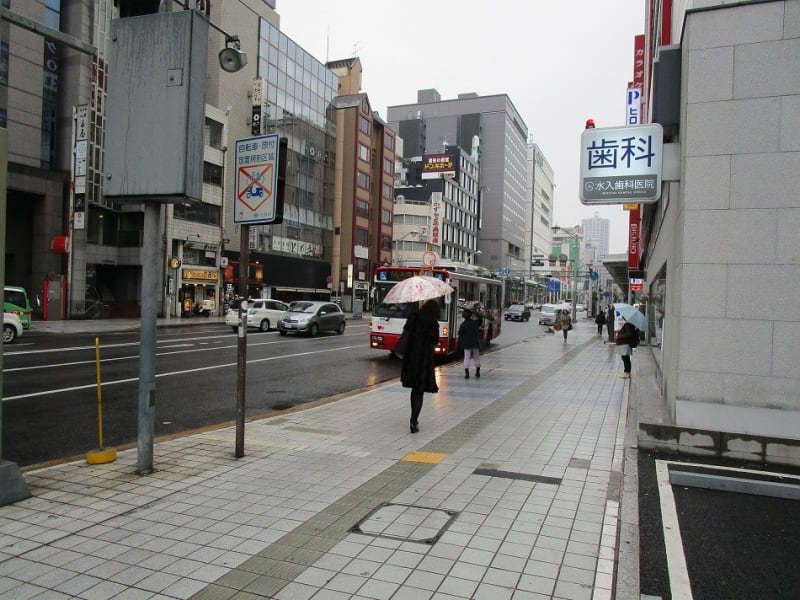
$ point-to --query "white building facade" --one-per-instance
(722, 246)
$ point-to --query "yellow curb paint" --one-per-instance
(424, 457)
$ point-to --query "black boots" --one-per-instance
(414, 427)
(478, 372)
(466, 373)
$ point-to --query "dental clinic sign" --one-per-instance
(621, 165)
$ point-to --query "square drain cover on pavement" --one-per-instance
(406, 522)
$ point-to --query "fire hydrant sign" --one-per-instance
(256, 161)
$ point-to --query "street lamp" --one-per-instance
(470, 255)
(577, 238)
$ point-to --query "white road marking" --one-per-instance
(136, 356)
(679, 583)
(174, 373)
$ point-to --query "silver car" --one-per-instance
(547, 316)
(311, 318)
(261, 313)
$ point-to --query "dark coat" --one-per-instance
(626, 333)
(600, 319)
(417, 372)
(470, 333)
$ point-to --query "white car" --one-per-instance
(12, 327)
(262, 314)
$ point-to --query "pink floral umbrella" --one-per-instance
(416, 289)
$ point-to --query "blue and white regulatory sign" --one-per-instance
(621, 165)
(256, 191)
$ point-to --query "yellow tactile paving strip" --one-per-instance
(431, 458)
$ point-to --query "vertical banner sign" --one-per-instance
(638, 76)
(258, 106)
(633, 106)
(436, 218)
(634, 235)
(81, 124)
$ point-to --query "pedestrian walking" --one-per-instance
(469, 332)
(566, 323)
(600, 320)
(627, 338)
(610, 323)
(417, 371)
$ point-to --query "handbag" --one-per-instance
(402, 344)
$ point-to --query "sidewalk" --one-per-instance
(511, 489)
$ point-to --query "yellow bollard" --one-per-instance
(101, 455)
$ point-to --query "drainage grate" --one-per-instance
(521, 476)
(406, 522)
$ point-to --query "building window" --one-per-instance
(198, 213)
(362, 208)
(363, 152)
(388, 142)
(212, 174)
(362, 180)
(364, 125)
(362, 237)
(388, 166)
(212, 133)
(386, 217)
(386, 243)
(387, 191)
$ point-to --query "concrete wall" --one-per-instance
(734, 328)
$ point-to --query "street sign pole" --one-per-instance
(241, 344)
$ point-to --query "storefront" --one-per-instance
(198, 293)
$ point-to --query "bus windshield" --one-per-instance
(399, 311)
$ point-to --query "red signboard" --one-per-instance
(634, 235)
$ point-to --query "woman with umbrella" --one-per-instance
(422, 330)
(417, 372)
(627, 338)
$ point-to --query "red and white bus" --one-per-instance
(469, 291)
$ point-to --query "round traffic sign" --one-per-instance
(429, 259)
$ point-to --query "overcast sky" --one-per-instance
(560, 61)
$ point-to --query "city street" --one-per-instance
(50, 391)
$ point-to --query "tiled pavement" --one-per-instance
(511, 489)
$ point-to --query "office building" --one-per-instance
(595, 237)
(490, 129)
(362, 203)
(436, 208)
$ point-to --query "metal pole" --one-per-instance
(241, 345)
(147, 344)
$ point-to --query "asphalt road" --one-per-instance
(50, 404)
(50, 389)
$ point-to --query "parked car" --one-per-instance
(12, 327)
(517, 312)
(580, 307)
(16, 301)
(311, 318)
(262, 314)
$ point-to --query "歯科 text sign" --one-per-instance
(621, 165)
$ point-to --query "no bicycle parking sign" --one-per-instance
(256, 160)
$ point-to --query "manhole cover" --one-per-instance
(406, 522)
